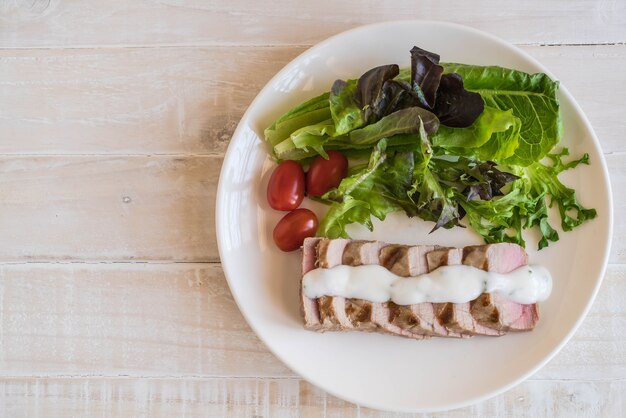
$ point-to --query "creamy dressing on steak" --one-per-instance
(453, 283)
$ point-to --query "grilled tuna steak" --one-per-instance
(338, 313)
(490, 314)
(456, 316)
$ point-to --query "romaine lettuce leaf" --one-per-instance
(531, 97)
(465, 140)
(306, 141)
(310, 112)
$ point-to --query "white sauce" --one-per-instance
(457, 284)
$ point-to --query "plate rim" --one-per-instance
(220, 227)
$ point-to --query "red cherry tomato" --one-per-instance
(325, 174)
(293, 228)
(285, 190)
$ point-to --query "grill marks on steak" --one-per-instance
(456, 317)
(332, 310)
(420, 318)
(309, 307)
(490, 314)
(492, 309)
(361, 314)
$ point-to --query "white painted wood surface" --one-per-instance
(114, 118)
(280, 398)
(37, 23)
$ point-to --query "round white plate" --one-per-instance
(382, 371)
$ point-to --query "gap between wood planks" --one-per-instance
(227, 45)
(235, 378)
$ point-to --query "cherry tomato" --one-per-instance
(325, 174)
(285, 190)
(293, 228)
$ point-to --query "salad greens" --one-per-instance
(446, 142)
(532, 99)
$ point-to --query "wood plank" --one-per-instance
(284, 398)
(125, 319)
(189, 100)
(42, 23)
(173, 320)
(109, 208)
(617, 174)
(164, 337)
(130, 101)
(138, 208)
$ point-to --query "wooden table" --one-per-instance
(114, 118)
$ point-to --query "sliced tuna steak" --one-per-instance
(490, 314)
(308, 307)
(420, 318)
(332, 310)
(493, 309)
(362, 315)
(456, 317)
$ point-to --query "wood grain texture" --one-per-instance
(114, 119)
(50, 23)
(138, 208)
(168, 320)
(125, 319)
(189, 100)
(132, 100)
(112, 208)
(279, 398)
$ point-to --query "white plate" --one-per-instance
(382, 371)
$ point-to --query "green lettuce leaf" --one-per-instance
(377, 189)
(412, 180)
(404, 121)
(503, 218)
(342, 214)
(544, 180)
(468, 141)
(306, 142)
(345, 107)
(433, 200)
(502, 143)
(531, 97)
(499, 219)
(310, 112)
